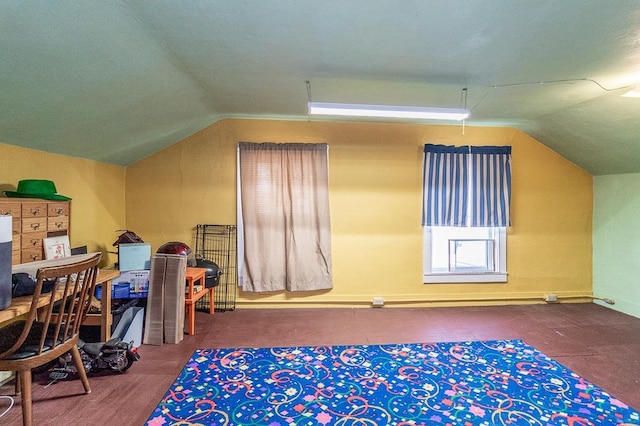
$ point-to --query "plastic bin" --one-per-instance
(118, 291)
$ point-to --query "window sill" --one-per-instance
(499, 277)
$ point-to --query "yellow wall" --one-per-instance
(375, 195)
(97, 190)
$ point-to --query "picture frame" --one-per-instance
(56, 247)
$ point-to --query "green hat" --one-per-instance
(35, 188)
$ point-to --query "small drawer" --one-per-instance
(13, 209)
(16, 226)
(32, 255)
(16, 257)
(58, 209)
(59, 223)
(32, 239)
(34, 224)
(34, 210)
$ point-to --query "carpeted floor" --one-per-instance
(499, 382)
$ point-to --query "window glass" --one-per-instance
(464, 254)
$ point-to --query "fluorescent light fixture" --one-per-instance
(359, 110)
(633, 93)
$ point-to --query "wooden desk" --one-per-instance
(21, 305)
(104, 319)
(192, 296)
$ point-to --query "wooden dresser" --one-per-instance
(33, 220)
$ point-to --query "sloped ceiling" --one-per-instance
(116, 81)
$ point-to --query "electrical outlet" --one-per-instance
(377, 302)
(550, 298)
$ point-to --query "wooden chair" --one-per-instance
(33, 342)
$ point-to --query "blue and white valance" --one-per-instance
(466, 186)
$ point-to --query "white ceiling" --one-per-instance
(117, 80)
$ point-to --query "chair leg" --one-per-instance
(17, 382)
(77, 361)
(25, 389)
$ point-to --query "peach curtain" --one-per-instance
(285, 217)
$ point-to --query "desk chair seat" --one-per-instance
(31, 345)
(42, 336)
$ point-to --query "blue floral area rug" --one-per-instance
(503, 382)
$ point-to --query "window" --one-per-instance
(479, 254)
(284, 227)
(466, 199)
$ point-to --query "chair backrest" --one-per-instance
(63, 309)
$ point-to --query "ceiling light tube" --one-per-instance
(386, 111)
(633, 93)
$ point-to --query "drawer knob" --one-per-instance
(35, 226)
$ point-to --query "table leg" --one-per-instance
(211, 307)
(105, 310)
(191, 314)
